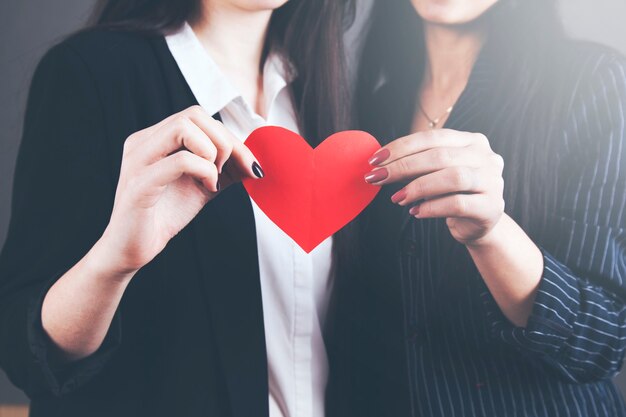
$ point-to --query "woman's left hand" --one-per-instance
(451, 174)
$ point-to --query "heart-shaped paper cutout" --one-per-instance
(311, 193)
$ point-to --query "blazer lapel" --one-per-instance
(226, 241)
(394, 218)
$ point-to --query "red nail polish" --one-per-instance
(399, 196)
(377, 175)
(380, 157)
(415, 210)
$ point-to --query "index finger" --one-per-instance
(420, 142)
(221, 139)
(227, 145)
(244, 161)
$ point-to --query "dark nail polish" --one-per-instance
(380, 157)
(256, 168)
(377, 175)
(399, 196)
(415, 210)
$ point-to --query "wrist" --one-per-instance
(493, 238)
(102, 262)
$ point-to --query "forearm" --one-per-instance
(511, 265)
(78, 309)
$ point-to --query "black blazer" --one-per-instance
(188, 338)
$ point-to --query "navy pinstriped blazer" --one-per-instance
(419, 334)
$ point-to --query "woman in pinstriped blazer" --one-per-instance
(493, 265)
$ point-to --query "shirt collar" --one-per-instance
(211, 87)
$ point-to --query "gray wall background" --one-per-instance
(29, 27)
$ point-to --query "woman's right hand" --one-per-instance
(169, 172)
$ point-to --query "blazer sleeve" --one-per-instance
(62, 199)
(578, 323)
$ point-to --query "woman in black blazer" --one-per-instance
(463, 307)
(144, 299)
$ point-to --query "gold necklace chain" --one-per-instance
(432, 123)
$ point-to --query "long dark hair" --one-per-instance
(306, 32)
(523, 37)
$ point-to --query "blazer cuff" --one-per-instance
(556, 304)
(64, 377)
(554, 312)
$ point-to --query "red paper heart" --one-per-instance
(311, 193)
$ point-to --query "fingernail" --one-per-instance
(377, 175)
(218, 186)
(399, 196)
(380, 157)
(415, 210)
(256, 168)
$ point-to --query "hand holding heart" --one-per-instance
(169, 172)
(455, 175)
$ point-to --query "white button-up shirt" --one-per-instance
(294, 284)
